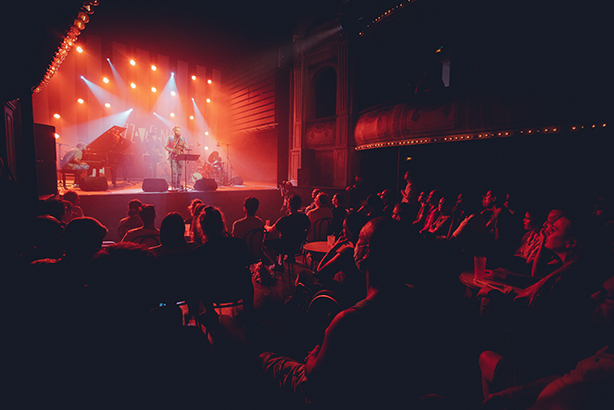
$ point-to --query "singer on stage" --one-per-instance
(175, 146)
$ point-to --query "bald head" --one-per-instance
(382, 250)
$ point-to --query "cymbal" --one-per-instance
(214, 156)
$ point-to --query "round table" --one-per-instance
(317, 247)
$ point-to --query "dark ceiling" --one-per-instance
(212, 30)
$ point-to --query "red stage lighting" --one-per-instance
(132, 63)
(105, 80)
(80, 101)
(153, 68)
(79, 49)
(56, 116)
(132, 85)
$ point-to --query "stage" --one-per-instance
(110, 206)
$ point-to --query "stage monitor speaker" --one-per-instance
(94, 184)
(205, 184)
(155, 185)
(236, 180)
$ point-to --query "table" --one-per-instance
(317, 250)
(468, 279)
(317, 247)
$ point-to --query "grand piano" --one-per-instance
(107, 150)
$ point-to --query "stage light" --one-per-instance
(173, 115)
(208, 100)
(153, 68)
(191, 117)
(132, 62)
(131, 109)
(108, 59)
(208, 81)
(206, 132)
(172, 74)
(80, 101)
(56, 135)
(79, 49)
(133, 85)
(105, 80)
(56, 116)
(153, 89)
(173, 93)
(83, 78)
(206, 148)
(107, 105)
(193, 77)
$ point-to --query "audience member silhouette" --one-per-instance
(147, 235)
(133, 220)
(372, 354)
(250, 221)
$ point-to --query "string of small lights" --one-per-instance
(71, 37)
(481, 135)
(386, 14)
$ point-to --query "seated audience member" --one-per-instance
(250, 221)
(173, 284)
(46, 240)
(405, 213)
(586, 386)
(73, 198)
(55, 278)
(432, 201)
(191, 209)
(134, 338)
(501, 229)
(471, 232)
(312, 205)
(221, 262)
(286, 189)
(458, 214)
(418, 223)
(133, 220)
(358, 192)
(337, 270)
(388, 200)
(292, 230)
(410, 191)
(373, 207)
(544, 319)
(147, 235)
(440, 227)
(58, 208)
(339, 214)
(372, 354)
(320, 212)
(530, 242)
(195, 233)
(172, 236)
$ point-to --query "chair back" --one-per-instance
(320, 228)
(147, 240)
(255, 243)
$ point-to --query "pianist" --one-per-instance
(72, 161)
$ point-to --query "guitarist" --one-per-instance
(175, 146)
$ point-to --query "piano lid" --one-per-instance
(109, 140)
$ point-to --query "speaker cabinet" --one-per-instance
(94, 184)
(205, 184)
(46, 168)
(155, 185)
(236, 180)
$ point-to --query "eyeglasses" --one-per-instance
(602, 295)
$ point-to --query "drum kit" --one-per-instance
(213, 169)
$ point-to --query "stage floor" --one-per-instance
(135, 186)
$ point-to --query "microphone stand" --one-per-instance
(229, 167)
